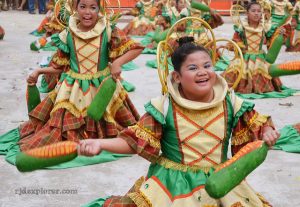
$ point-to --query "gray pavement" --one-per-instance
(278, 179)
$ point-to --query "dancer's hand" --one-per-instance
(282, 30)
(270, 136)
(89, 147)
(115, 70)
(33, 77)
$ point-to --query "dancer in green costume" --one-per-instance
(260, 74)
(91, 50)
(185, 134)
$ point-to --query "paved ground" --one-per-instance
(278, 179)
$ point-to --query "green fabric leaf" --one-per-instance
(285, 92)
(289, 140)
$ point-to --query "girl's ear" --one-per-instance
(176, 76)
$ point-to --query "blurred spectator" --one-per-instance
(3, 5)
(21, 6)
(41, 6)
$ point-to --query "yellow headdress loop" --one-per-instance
(235, 12)
(229, 53)
(63, 9)
(111, 11)
(220, 49)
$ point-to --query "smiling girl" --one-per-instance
(185, 134)
(91, 50)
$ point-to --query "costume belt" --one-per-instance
(91, 76)
(169, 164)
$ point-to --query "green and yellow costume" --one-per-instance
(144, 21)
(296, 19)
(280, 9)
(83, 59)
(256, 78)
(259, 76)
(193, 138)
(281, 12)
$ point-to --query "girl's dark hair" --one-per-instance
(249, 5)
(98, 3)
(186, 47)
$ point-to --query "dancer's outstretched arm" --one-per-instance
(91, 147)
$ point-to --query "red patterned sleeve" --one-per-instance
(239, 41)
(144, 137)
(60, 61)
(248, 129)
(120, 44)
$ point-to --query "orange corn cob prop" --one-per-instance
(235, 170)
(295, 65)
(46, 156)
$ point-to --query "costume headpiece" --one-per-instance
(63, 9)
(204, 36)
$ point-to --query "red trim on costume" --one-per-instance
(154, 178)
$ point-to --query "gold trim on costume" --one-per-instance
(169, 164)
(54, 26)
(120, 50)
(71, 108)
(52, 95)
(140, 199)
(61, 61)
(241, 136)
(145, 134)
(80, 76)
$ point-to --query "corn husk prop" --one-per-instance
(199, 6)
(32, 97)
(274, 48)
(277, 41)
(102, 99)
(235, 170)
(290, 68)
(46, 156)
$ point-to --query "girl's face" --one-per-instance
(181, 5)
(254, 14)
(88, 14)
(196, 77)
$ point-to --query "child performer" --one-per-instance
(144, 21)
(90, 51)
(281, 15)
(205, 13)
(250, 36)
(193, 125)
(296, 25)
